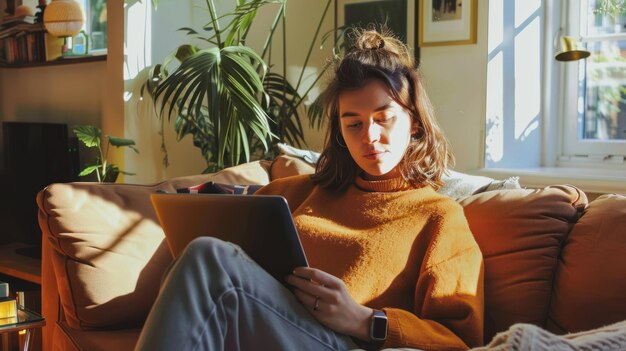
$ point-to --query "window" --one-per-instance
(550, 121)
(95, 24)
(594, 104)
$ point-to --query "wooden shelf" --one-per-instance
(19, 266)
(57, 62)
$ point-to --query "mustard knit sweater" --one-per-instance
(404, 250)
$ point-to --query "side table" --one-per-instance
(27, 320)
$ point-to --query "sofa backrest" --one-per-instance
(590, 283)
(107, 248)
(520, 233)
(108, 251)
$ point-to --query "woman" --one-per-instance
(392, 263)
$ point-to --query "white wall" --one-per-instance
(148, 37)
(66, 93)
(456, 79)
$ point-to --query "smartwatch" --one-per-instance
(378, 327)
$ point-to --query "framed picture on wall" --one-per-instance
(447, 22)
(398, 16)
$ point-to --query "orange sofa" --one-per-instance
(551, 258)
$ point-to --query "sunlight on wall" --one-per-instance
(527, 79)
(513, 135)
(524, 10)
(496, 26)
(494, 143)
(137, 41)
(308, 78)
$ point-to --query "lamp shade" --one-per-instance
(570, 51)
(63, 18)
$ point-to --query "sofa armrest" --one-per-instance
(50, 307)
(103, 252)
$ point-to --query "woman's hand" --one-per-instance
(327, 298)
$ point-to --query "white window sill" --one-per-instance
(589, 180)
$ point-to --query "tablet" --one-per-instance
(261, 225)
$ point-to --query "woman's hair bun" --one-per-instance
(370, 40)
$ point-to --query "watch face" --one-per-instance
(379, 327)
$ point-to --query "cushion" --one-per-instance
(286, 166)
(107, 247)
(458, 185)
(309, 156)
(590, 284)
(256, 172)
(520, 232)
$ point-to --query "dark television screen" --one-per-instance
(35, 155)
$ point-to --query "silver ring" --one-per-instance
(316, 306)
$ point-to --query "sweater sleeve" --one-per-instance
(449, 299)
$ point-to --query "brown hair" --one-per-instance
(381, 57)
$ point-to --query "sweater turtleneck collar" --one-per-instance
(386, 185)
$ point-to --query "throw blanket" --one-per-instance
(527, 337)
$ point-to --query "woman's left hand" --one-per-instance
(327, 298)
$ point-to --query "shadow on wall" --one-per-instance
(503, 147)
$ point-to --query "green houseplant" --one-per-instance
(91, 137)
(227, 96)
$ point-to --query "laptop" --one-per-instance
(261, 225)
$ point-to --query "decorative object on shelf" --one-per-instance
(8, 305)
(570, 50)
(447, 22)
(91, 136)
(24, 10)
(4, 290)
(81, 44)
(64, 19)
(42, 8)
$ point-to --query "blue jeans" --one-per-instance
(215, 297)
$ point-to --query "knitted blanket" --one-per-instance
(528, 337)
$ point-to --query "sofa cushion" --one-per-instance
(107, 247)
(590, 284)
(286, 166)
(520, 232)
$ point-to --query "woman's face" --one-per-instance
(377, 130)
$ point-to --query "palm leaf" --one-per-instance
(315, 112)
(283, 102)
(227, 83)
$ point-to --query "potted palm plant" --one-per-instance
(227, 96)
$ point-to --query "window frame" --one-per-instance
(86, 5)
(575, 149)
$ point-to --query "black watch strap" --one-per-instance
(378, 327)
(377, 334)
